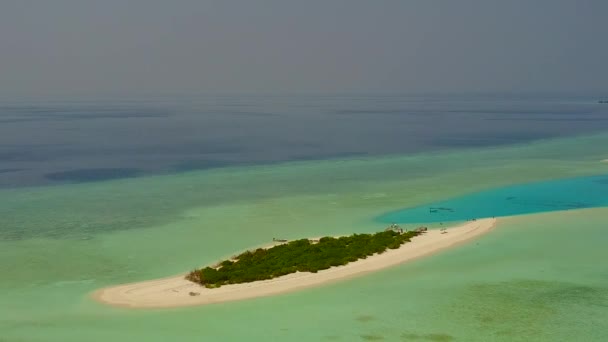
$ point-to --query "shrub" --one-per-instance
(298, 255)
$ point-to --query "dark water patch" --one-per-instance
(16, 120)
(435, 337)
(548, 119)
(365, 318)
(39, 153)
(435, 109)
(34, 113)
(298, 145)
(78, 117)
(199, 149)
(246, 113)
(577, 295)
(62, 225)
(527, 307)
(113, 115)
(303, 157)
(93, 175)
(11, 170)
(603, 180)
(483, 139)
(574, 111)
(192, 165)
(372, 337)
(372, 111)
(15, 156)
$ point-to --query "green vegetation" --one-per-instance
(298, 256)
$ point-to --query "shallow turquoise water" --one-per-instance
(537, 197)
(535, 278)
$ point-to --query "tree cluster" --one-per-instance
(298, 256)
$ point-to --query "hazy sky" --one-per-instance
(249, 46)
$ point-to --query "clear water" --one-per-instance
(538, 277)
(555, 195)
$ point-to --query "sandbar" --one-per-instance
(176, 291)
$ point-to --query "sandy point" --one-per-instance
(177, 291)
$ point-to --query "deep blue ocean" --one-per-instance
(57, 141)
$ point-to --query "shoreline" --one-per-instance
(175, 291)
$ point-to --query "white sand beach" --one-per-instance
(176, 291)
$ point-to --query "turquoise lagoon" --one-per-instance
(537, 197)
(537, 277)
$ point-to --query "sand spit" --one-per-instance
(177, 291)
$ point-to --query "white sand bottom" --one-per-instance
(175, 291)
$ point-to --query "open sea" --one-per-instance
(106, 191)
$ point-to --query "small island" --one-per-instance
(302, 255)
(603, 101)
(178, 291)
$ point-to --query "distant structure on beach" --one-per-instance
(421, 229)
(394, 227)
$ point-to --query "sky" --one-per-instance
(315, 46)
